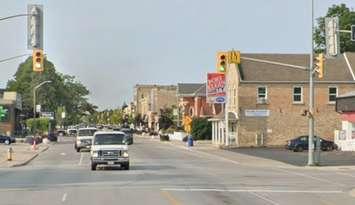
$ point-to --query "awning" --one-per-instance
(348, 116)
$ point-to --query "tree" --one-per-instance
(63, 91)
(201, 129)
(346, 19)
(166, 118)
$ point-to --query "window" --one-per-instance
(333, 93)
(262, 94)
(297, 94)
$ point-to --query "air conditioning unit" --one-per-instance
(262, 101)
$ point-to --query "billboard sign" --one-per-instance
(332, 36)
(216, 83)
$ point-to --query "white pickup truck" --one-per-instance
(84, 138)
(109, 148)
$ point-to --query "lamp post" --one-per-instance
(34, 95)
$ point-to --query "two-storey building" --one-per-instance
(268, 95)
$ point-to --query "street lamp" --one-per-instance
(34, 95)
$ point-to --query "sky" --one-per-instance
(112, 45)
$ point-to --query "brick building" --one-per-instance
(265, 101)
(149, 99)
(193, 101)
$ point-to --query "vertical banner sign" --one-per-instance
(332, 36)
(216, 88)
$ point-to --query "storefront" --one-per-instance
(10, 106)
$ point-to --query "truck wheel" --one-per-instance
(93, 166)
(7, 142)
(77, 149)
(125, 166)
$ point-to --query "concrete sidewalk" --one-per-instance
(22, 154)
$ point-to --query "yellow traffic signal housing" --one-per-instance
(221, 61)
(320, 65)
(234, 57)
(37, 59)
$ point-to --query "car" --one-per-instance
(72, 132)
(129, 134)
(301, 143)
(7, 139)
(84, 138)
(109, 148)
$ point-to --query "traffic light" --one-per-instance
(320, 65)
(37, 58)
(221, 61)
(353, 32)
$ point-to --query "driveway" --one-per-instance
(332, 158)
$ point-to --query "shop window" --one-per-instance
(333, 93)
(297, 94)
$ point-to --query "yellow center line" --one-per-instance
(172, 200)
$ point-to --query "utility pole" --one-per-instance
(311, 98)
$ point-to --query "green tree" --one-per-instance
(64, 90)
(201, 129)
(346, 19)
(166, 118)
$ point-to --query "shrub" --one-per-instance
(39, 125)
(201, 129)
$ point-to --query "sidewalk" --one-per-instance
(22, 154)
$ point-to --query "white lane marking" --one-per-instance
(63, 154)
(81, 159)
(254, 190)
(264, 198)
(64, 198)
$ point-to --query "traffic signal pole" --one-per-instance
(311, 98)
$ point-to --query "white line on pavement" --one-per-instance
(345, 174)
(254, 190)
(64, 198)
(264, 198)
(63, 154)
(81, 159)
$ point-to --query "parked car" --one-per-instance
(7, 140)
(52, 137)
(301, 143)
(109, 148)
(72, 132)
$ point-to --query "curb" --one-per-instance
(30, 159)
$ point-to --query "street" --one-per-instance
(162, 173)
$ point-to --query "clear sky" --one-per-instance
(111, 45)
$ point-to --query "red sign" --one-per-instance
(216, 83)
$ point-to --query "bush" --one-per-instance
(39, 125)
(164, 137)
(201, 129)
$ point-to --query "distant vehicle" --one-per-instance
(84, 138)
(61, 132)
(7, 140)
(129, 134)
(301, 143)
(72, 132)
(109, 148)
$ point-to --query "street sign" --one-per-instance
(49, 115)
(353, 32)
(63, 115)
(257, 113)
(216, 88)
(332, 36)
(38, 108)
(35, 26)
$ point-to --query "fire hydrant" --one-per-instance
(9, 154)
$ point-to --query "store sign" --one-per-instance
(49, 115)
(216, 83)
(257, 113)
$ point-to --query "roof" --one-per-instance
(191, 89)
(336, 69)
(346, 95)
(109, 132)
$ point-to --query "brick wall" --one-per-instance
(285, 121)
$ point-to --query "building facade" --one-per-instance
(11, 103)
(150, 99)
(268, 95)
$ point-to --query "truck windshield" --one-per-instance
(87, 132)
(109, 139)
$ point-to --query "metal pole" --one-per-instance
(311, 98)
(34, 102)
(14, 16)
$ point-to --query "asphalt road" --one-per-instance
(164, 174)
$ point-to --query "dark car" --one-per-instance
(6, 139)
(129, 134)
(301, 143)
